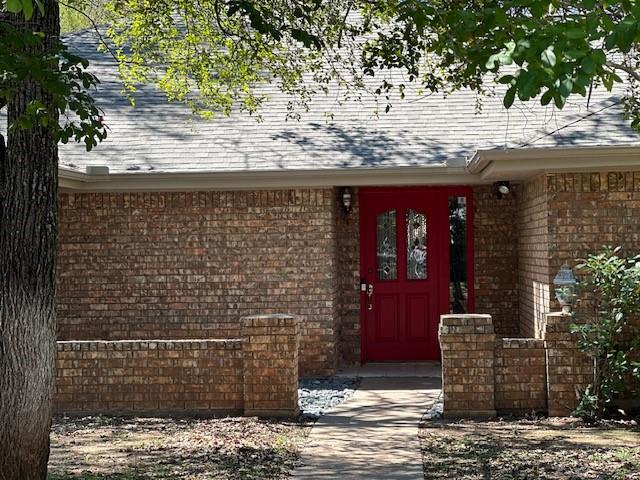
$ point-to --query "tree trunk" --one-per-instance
(28, 240)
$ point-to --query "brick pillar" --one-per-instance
(568, 369)
(270, 353)
(467, 343)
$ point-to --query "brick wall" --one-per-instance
(482, 375)
(568, 370)
(270, 364)
(589, 210)
(149, 376)
(495, 243)
(562, 218)
(468, 375)
(520, 380)
(348, 262)
(189, 265)
(533, 256)
(255, 375)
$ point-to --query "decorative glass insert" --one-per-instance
(458, 288)
(416, 245)
(386, 246)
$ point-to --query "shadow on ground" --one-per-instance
(521, 449)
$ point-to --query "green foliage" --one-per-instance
(613, 286)
(540, 49)
(25, 7)
(80, 14)
(215, 54)
(69, 109)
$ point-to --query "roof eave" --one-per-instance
(520, 164)
(266, 179)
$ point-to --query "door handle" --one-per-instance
(370, 296)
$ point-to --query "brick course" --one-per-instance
(348, 262)
(482, 375)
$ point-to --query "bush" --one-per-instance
(612, 284)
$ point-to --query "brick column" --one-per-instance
(467, 343)
(270, 352)
(567, 367)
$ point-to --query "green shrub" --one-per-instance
(612, 285)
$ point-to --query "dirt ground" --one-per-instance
(518, 449)
(117, 448)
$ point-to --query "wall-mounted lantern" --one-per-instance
(565, 287)
(345, 197)
(501, 189)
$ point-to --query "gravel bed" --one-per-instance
(318, 395)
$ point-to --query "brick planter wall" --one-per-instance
(482, 375)
(567, 367)
(520, 375)
(271, 365)
(256, 375)
(468, 376)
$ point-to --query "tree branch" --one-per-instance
(624, 68)
(95, 27)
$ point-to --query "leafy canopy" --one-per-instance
(69, 109)
(214, 53)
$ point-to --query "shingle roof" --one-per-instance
(159, 136)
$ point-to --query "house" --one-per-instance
(368, 228)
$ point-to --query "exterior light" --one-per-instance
(346, 199)
(565, 288)
(502, 189)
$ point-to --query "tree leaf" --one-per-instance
(566, 87)
(509, 97)
(574, 33)
(27, 8)
(14, 6)
(548, 57)
(588, 65)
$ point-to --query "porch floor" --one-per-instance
(398, 370)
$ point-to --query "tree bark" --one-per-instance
(28, 241)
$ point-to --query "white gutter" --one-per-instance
(70, 180)
(485, 166)
(514, 164)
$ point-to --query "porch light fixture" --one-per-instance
(346, 199)
(502, 189)
(565, 287)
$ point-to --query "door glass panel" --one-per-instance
(416, 245)
(386, 251)
(458, 288)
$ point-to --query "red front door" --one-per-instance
(405, 247)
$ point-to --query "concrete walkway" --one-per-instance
(373, 435)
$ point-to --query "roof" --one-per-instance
(160, 137)
(165, 137)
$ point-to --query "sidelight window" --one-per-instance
(386, 251)
(416, 245)
(458, 286)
